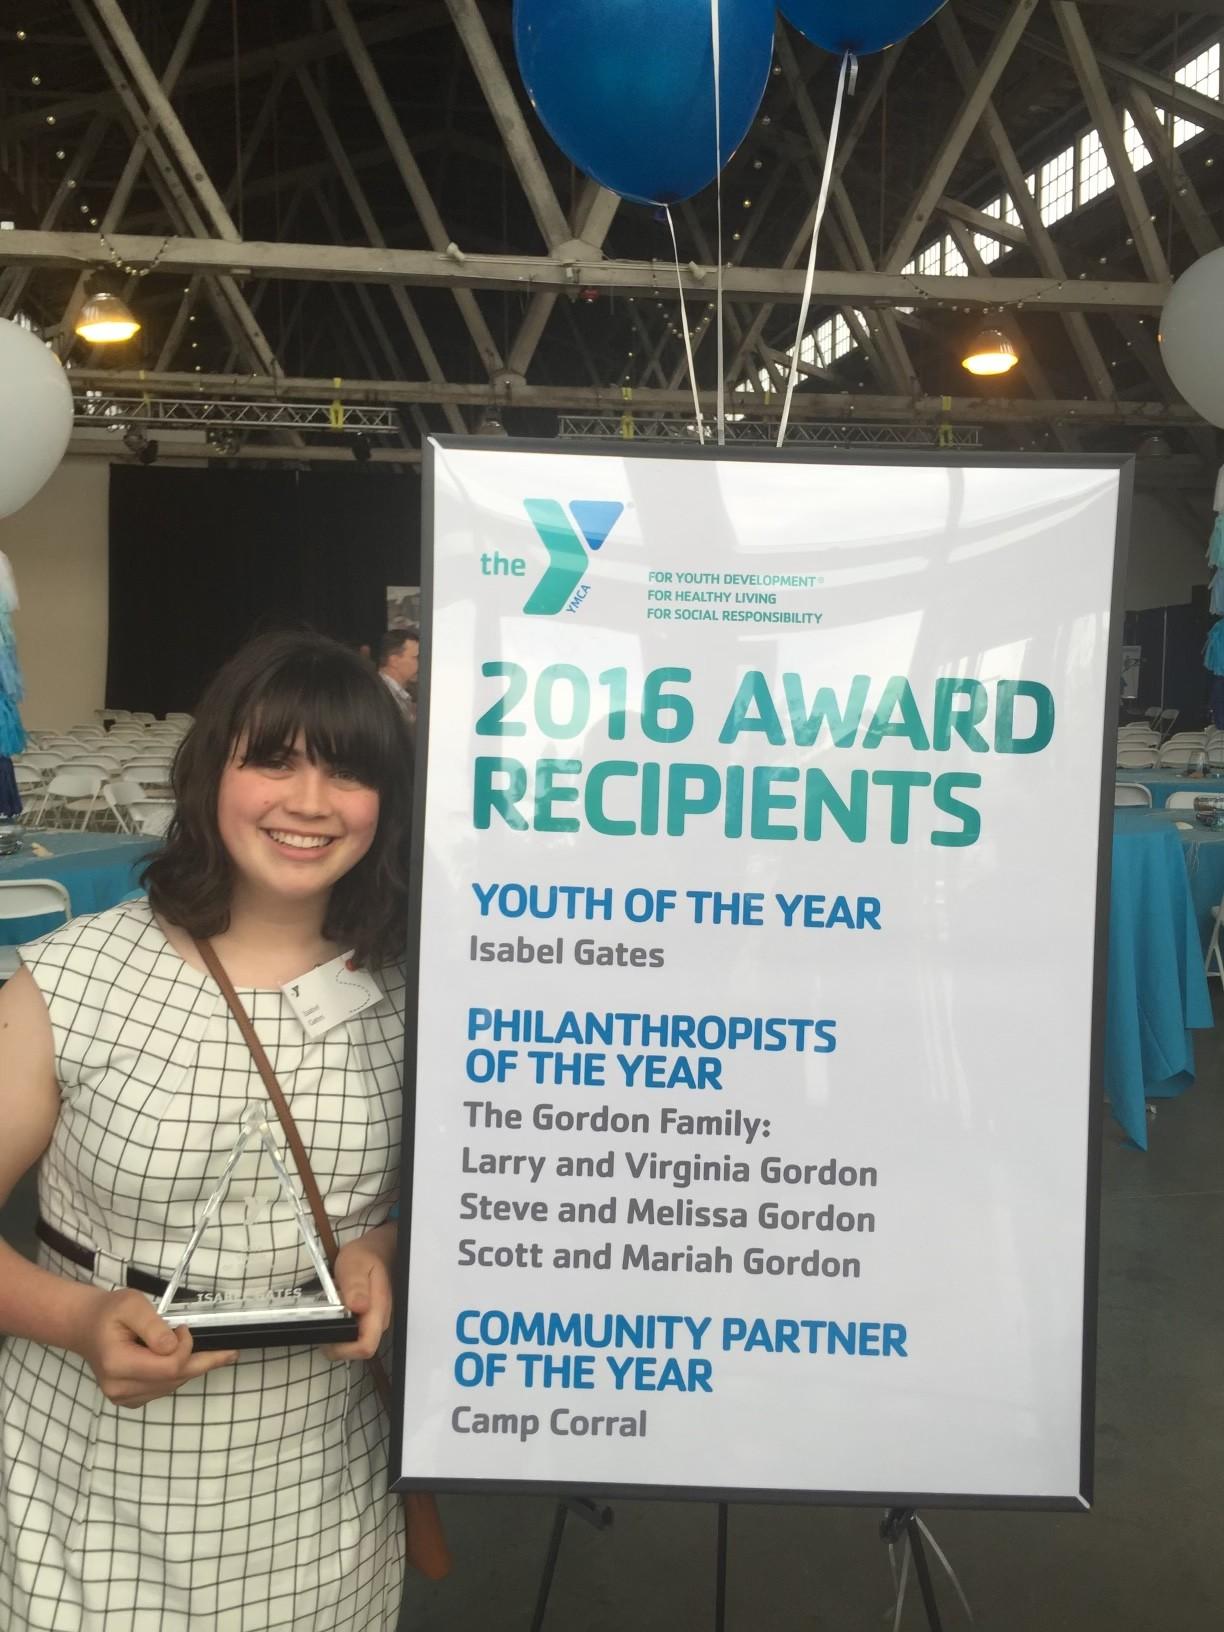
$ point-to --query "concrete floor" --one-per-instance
(1149, 1558)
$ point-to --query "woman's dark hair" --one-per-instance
(276, 688)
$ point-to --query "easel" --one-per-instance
(900, 1524)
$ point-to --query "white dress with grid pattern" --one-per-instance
(255, 1497)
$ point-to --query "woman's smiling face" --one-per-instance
(293, 827)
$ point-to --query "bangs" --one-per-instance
(325, 700)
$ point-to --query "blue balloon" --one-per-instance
(859, 26)
(626, 87)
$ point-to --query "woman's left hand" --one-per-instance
(363, 1280)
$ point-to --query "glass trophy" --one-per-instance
(256, 1320)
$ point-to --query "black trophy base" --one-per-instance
(280, 1323)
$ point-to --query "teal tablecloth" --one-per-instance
(97, 869)
(1157, 989)
(1163, 783)
(1203, 849)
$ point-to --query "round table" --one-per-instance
(97, 869)
(1203, 850)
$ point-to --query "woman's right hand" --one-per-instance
(133, 1353)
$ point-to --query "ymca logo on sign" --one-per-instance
(567, 544)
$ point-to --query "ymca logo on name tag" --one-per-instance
(330, 994)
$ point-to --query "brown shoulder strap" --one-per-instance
(264, 1066)
(425, 1543)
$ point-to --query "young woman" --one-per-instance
(142, 1485)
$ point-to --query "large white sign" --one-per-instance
(754, 1043)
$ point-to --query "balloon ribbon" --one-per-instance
(688, 343)
(849, 66)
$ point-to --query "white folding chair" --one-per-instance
(106, 763)
(120, 796)
(145, 719)
(1213, 948)
(29, 898)
(28, 779)
(1181, 758)
(181, 719)
(1132, 793)
(1135, 759)
(72, 793)
(43, 759)
(1182, 799)
(152, 816)
(149, 770)
(1187, 739)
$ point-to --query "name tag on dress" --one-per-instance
(331, 994)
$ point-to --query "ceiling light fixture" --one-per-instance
(990, 353)
(104, 320)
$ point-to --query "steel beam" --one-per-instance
(977, 99)
(989, 225)
(1037, 233)
(834, 406)
(103, 447)
(410, 174)
(347, 263)
(1158, 138)
(140, 146)
(593, 219)
(1035, 376)
(857, 254)
(1165, 92)
(1109, 128)
(508, 116)
(182, 212)
(13, 285)
(365, 214)
(164, 117)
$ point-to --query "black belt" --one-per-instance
(138, 1279)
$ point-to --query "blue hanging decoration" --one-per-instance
(12, 732)
(858, 26)
(12, 685)
(628, 92)
(1217, 594)
(1215, 550)
(1213, 654)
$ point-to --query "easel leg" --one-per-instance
(720, 1572)
(902, 1522)
(599, 1518)
(923, 1572)
(550, 1567)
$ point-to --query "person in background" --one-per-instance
(145, 1486)
(399, 661)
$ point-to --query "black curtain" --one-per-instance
(1171, 672)
(202, 559)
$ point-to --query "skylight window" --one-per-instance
(1136, 147)
(1057, 184)
(1095, 176)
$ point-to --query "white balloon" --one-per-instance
(1192, 336)
(35, 415)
